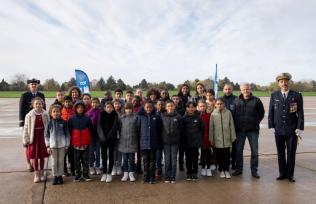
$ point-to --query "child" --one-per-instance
(57, 140)
(139, 93)
(86, 98)
(171, 128)
(94, 149)
(150, 130)
(128, 141)
(129, 97)
(33, 137)
(80, 128)
(153, 95)
(206, 151)
(118, 94)
(66, 113)
(137, 104)
(117, 155)
(210, 101)
(160, 109)
(59, 98)
(107, 131)
(164, 95)
(107, 97)
(176, 101)
(222, 135)
(193, 132)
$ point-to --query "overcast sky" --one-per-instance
(251, 41)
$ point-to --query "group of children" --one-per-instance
(79, 130)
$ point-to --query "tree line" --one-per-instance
(18, 83)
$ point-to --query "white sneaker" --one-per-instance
(113, 171)
(213, 167)
(108, 178)
(222, 174)
(125, 177)
(131, 176)
(119, 170)
(209, 172)
(227, 175)
(203, 172)
(97, 170)
(103, 178)
(92, 171)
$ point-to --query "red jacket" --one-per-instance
(206, 120)
(66, 113)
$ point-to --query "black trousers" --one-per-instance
(104, 155)
(149, 160)
(286, 163)
(81, 158)
(223, 158)
(233, 155)
(181, 155)
(206, 158)
(191, 160)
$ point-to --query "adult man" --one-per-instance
(229, 99)
(248, 113)
(25, 106)
(286, 116)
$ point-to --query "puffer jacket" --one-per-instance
(57, 134)
(171, 128)
(193, 130)
(222, 129)
(107, 127)
(128, 134)
(80, 128)
(149, 130)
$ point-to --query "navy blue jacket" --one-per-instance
(149, 130)
(286, 116)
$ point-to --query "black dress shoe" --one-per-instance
(291, 179)
(279, 178)
(237, 173)
(255, 175)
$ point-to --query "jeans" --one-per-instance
(117, 156)
(171, 152)
(223, 156)
(81, 158)
(253, 142)
(149, 160)
(94, 153)
(191, 160)
(128, 162)
(159, 159)
(104, 154)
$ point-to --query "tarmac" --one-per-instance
(17, 183)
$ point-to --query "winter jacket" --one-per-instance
(94, 115)
(206, 121)
(229, 101)
(57, 134)
(248, 113)
(171, 128)
(193, 130)
(128, 134)
(67, 113)
(29, 124)
(107, 127)
(149, 130)
(80, 128)
(222, 129)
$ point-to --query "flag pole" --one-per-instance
(216, 82)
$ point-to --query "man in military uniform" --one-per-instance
(286, 116)
(25, 106)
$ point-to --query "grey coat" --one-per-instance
(128, 137)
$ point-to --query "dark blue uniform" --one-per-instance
(285, 116)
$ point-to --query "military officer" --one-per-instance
(286, 116)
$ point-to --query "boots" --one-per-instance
(36, 177)
(125, 177)
(131, 176)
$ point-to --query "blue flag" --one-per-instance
(216, 82)
(82, 81)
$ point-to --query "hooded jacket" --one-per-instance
(193, 130)
(57, 134)
(128, 133)
(171, 128)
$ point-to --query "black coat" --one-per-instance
(171, 128)
(286, 116)
(193, 128)
(107, 127)
(229, 101)
(25, 105)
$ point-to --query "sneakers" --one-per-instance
(97, 170)
(36, 177)
(55, 180)
(195, 177)
(213, 167)
(41, 174)
(77, 178)
(125, 176)
(103, 178)
(203, 172)
(114, 171)
(173, 180)
(227, 175)
(222, 174)
(167, 180)
(108, 178)
(189, 178)
(131, 176)
(119, 170)
(92, 171)
(86, 178)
